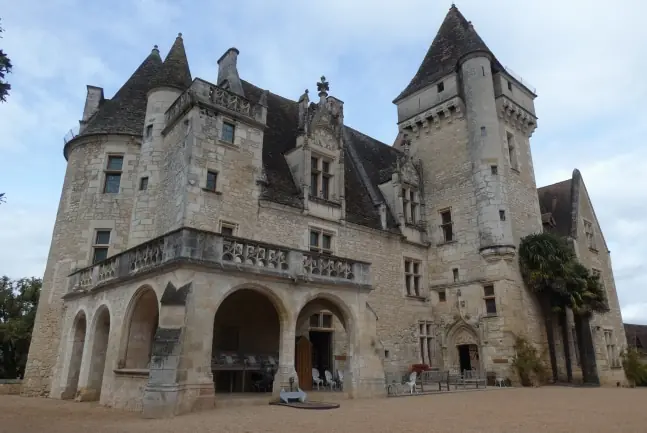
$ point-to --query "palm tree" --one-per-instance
(545, 260)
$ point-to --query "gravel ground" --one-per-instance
(548, 409)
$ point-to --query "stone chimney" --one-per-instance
(93, 99)
(228, 72)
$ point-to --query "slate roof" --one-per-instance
(377, 158)
(124, 113)
(636, 336)
(175, 71)
(455, 38)
(556, 200)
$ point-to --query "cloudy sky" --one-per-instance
(585, 57)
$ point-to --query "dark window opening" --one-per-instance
(228, 132)
(440, 86)
(442, 296)
(502, 215)
(143, 183)
(212, 180)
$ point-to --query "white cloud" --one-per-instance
(583, 56)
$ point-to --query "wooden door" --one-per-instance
(303, 363)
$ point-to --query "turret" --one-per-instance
(173, 78)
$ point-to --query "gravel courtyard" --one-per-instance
(548, 409)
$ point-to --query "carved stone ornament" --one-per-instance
(464, 337)
(323, 86)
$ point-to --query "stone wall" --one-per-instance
(10, 386)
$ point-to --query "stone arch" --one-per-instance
(331, 346)
(463, 341)
(76, 344)
(98, 352)
(140, 325)
(247, 327)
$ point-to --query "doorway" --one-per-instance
(464, 359)
(322, 351)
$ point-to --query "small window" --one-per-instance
(490, 300)
(228, 131)
(320, 241)
(455, 273)
(314, 321)
(427, 345)
(410, 205)
(387, 353)
(442, 296)
(502, 215)
(512, 151)
(509, 86)
(446, 225)
(494, 169)
(227, 229)
(440, 86)
(483, 70)
(590, 235)
(149, 131)
(113, 174)
(212, 180)
(320, 178)
(483, 131)
(412, 277)
(326, 320)
(143, 184)
(100, 245)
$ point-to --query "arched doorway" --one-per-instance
(464, 348)
(141, 325)
(76, 345)
(322, 341)
(246, 343)
(98, 354)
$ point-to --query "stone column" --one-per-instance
(286, 368)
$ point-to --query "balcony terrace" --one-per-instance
(226, 253)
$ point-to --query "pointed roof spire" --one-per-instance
(124, 113)
(175, 70)
(456, 37)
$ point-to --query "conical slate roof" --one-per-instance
(455, 38)
(125, 112)
(175, 70)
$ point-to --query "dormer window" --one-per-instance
(320, 177)
(410, 205)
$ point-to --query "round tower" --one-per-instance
(173, 78)
(486, 154)
(93, 216)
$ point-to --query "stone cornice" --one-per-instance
(516, 116)
(449, 109)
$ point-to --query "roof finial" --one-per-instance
(155, 50)
(453, 6)
(179, 35)
(323, 87)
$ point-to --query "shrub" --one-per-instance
(635, 369)
(527, 363)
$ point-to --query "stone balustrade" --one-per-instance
(231, 254)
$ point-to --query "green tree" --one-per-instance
(18, 302)
(5, 68)
(635, 369)
(545, 260)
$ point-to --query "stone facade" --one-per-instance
(239, 215)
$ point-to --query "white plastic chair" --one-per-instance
(316, 379)
(412, 382)
(500, 382)
(340, 377)
(329, 380)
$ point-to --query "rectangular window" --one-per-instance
(490, 300)
(228, 229)
(494, 169)
(100, 245)
(149, 131)
(212, 181)
(320, 241)
(611, 348)
(427, 346)
(509, 86)
(455, 273)
(512, 151)
(502, 215)
(412, 277)
(483, 131)
(320, 178)
(228, 132)
(113, 174)
(440, 86)
(143, 184)
(442, 296)
(321, 321)
(410, 205)
(447, 225)
(590, 235)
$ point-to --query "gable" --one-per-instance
(586, 211)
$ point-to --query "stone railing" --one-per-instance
(185, 100)
(225, 252)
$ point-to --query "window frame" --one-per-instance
(228, 123)
(490, 298)
(320, 235)
(321, 176)
(445, 226)
(99, 246)
(426, 341)
(321, 322)
(112, 172)
(410, 197)
(215, 181)
(228, 225)
(589, 234)
(511, 142)
(412, 277)
(143, 183)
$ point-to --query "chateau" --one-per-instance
(211, 231)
